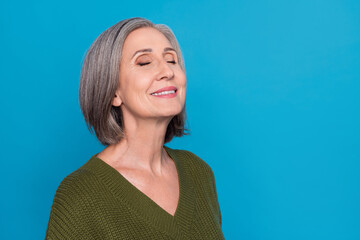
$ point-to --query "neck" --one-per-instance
(141, 148)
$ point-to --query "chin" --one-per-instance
(171, 112)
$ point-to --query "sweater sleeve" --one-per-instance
(216, 196)
(72, 209)
(204, 171)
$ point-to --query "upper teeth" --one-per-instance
(163, 93)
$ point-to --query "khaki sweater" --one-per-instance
(97, 202)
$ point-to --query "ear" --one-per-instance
(117, 100)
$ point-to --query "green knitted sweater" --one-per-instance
(97, 202)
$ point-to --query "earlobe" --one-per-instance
(116, 101)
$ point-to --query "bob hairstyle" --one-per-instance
(100, 79)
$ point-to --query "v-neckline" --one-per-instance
(177, 224)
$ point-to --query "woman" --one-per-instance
(132, 94)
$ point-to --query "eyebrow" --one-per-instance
(150, 50)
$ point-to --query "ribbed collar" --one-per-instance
(177, 226)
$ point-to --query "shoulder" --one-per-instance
(78, 179)
(75, 202)
(77, 188)
(187, 156)
(192, 161)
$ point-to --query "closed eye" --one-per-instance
(143, 63)
(173, 62)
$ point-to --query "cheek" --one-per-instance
(182, 83)
(136, 83)
(182, 77)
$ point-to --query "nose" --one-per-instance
(165, 71)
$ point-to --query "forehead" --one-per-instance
(147, 37)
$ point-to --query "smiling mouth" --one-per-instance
(164, 93)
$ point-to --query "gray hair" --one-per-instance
(100, 79)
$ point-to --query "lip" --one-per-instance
(166, 89)
(169, 95)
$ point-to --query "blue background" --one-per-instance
(273, 106)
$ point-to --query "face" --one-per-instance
(152, 83)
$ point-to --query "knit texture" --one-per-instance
(97, 202)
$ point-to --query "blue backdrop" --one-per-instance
(273, 107)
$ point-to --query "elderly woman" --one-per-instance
(132, 94)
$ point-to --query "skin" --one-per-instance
(140, 156)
